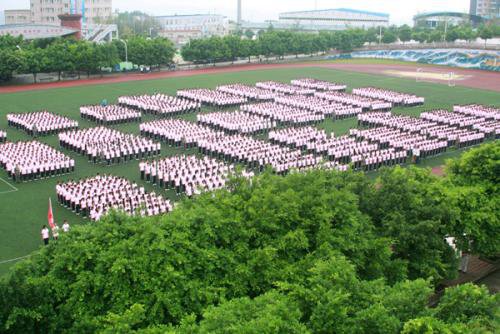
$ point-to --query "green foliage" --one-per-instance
(474, 191)
(410, 207)
(466, 302)
(134, 24)
(269, 313)
(151, 52)
(389, 37)
(9, 63)
(430, 325)
(405, 33)
(480, 166)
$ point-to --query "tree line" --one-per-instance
(273, 43)
(69, 55)
(316, 252)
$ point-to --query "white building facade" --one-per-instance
(180, 29)
(334, 19)
(489, 9)
(17, 16)
(47, 11)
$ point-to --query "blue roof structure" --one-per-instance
(347, 10)
(186, 15)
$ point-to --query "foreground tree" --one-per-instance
(474, 190)
(318, 252)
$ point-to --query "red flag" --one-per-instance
(50, 215)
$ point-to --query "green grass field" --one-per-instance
(23, 211)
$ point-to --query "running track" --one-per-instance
(473, 78)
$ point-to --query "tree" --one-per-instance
(430, 325)
(269, 313)
(409, 206)
(452, 34)
(33, 60)
(85, 55)
(249, 34)
(106, 55)
(485, 33)
(60, 58)
(389, 37)
(420, 37)
(466, 302)
(474, 189)
(371, 35)
(405, 33)
(134, 24)
(435, 36)
(467, 33)
(233, 44)
(162, 52)
(10, 62)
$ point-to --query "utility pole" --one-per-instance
(239, 15)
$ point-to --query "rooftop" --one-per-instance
(346, 10)
(186, 15)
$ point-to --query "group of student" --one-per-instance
(284, 115)
(177, 132)
(45, 232)
(104, 145)
(255, 153)
(490, 123)
(26, 161)
(212, 97)
(249, 92)
(236, 122)
(317, 105)
(396, 98)
(366, 103)
(160, 104)
(432, 129)
(450, 118)
(479, 111)
(186, 174)
(415, 144)
(94, 197)
(109, 115)
(353, 149)
(298, 137)
(3, 136)
(283, 88)
(320, 85)
(41, 123)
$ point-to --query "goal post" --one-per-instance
(451, 79)
(418, 75)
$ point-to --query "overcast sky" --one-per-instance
(401, 11)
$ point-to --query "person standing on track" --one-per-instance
(45, 235)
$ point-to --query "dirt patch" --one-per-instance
(438, 171)
(425, 75)
(469, 78)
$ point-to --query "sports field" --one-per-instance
(23, 206)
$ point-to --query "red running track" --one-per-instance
(473, 78)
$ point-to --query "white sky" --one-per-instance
(401, 11)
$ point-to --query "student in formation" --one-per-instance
(45, 235)
(65, 226)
